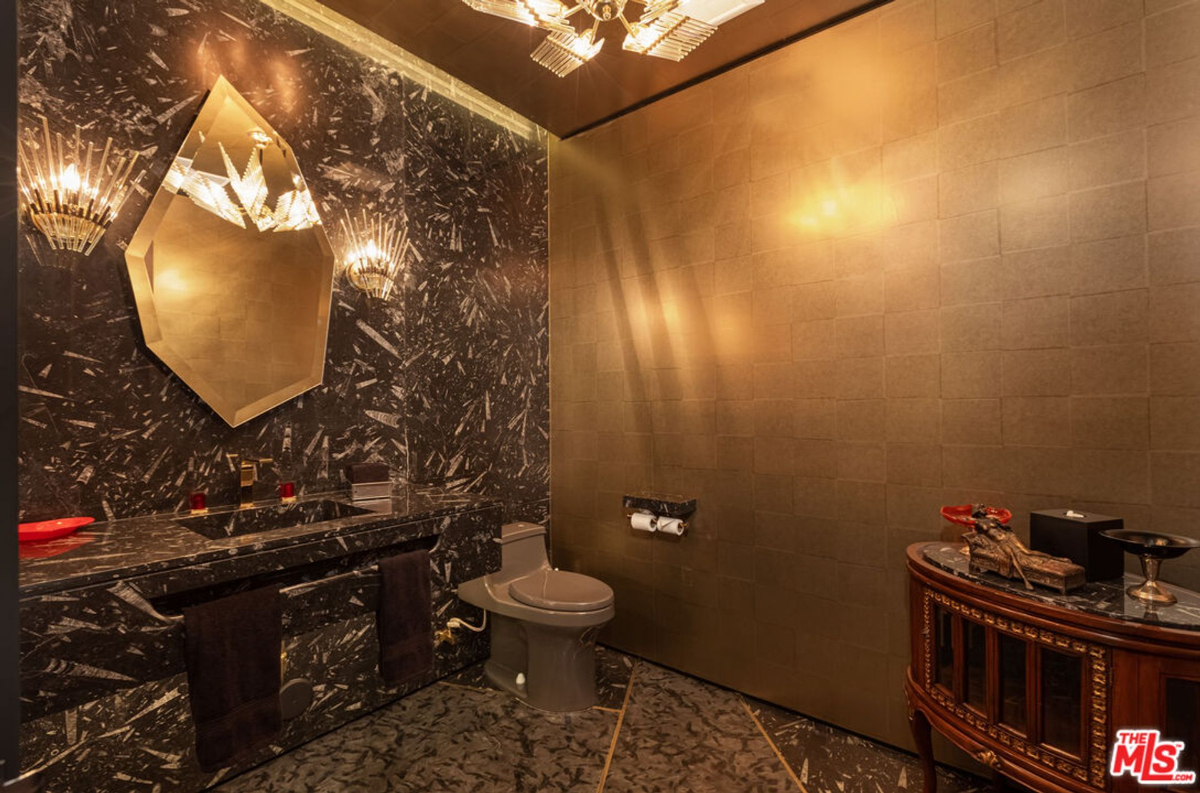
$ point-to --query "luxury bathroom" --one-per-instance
(600, 395)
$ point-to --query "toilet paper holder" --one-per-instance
(658, 512)
(655, 523)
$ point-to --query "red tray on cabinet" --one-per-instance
(50, 529)
(961, 514)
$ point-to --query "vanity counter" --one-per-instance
(131, 547)
(103, 631)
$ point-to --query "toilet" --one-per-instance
(544, 623)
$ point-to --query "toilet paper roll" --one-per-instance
(643, 521)
(670, 525)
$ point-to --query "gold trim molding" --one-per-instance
(346, 31)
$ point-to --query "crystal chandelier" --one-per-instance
(664, 29)
(376, 252)
(72, 193)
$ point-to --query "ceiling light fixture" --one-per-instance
(665, 28)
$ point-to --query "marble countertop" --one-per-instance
(136, 546)
(1103, 598)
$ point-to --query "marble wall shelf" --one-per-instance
(1104, 598)
(662, 504)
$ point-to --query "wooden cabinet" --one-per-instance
(1169, 698)
(1036, 690)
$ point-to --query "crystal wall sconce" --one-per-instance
(71, 192)
(375, 253)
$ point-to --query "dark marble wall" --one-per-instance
(448, 383)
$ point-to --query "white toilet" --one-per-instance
(544, 623)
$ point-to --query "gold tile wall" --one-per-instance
(946, 252)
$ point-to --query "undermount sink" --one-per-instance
(252, 520)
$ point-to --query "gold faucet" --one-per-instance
(247, 476)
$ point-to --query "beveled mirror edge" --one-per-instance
(135, 262)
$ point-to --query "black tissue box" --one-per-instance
(1078, 539)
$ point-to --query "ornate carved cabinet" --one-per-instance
(1036, 684)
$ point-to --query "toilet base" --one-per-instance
(559, 664)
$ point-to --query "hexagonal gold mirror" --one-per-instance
(231, 269)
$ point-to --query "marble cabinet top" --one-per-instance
(135, 546)
(1103, 598)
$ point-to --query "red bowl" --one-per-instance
(44, 550)
(961, 514)
(50, 529)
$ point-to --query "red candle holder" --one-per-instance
(198, 503)
(287, 492)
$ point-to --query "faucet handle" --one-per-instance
(233, 458)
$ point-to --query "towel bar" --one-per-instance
(288, 590)
(132, 595)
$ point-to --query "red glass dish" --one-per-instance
(50, 529)
(44, 550)
(961, 514)
(287, 492)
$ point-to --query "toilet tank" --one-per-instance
(522, 549)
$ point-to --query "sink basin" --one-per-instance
(275, 516)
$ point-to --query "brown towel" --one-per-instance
(233, 673)
(404, 620)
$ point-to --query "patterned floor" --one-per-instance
(653, 730)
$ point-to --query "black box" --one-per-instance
(1052, 531)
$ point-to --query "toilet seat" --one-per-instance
(558, 590)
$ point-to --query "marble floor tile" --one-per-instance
(828, 760)
(681, 734)
(613, 669)
(672, 733)
(445, 738)
(472, 676)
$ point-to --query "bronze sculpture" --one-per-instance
(994, 547)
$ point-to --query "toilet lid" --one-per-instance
(559, 590)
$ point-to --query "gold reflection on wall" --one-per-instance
(231, 269)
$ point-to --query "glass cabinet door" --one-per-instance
(975, 671)
(943, 661)
(1040, 693)
(1014, 704)
(1181, 722)
(1062, 701)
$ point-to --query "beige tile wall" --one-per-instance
(947, 252)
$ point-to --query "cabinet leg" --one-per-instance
(921, 733)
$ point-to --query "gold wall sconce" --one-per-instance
(375, 253)
(71, 192)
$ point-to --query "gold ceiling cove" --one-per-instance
(231, 269)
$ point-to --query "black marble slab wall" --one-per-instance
(446, 383)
